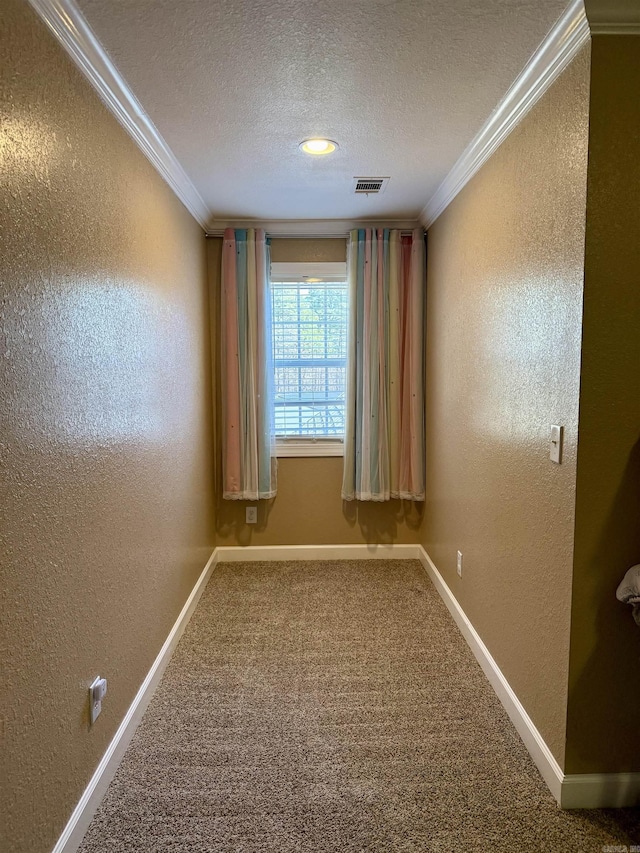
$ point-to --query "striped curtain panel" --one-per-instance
(248, 471)
(384, 434)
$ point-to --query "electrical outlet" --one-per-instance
(252, 515)
(459, 564)
(97, 692)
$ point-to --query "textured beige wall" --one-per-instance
(604, 689)
(308, 251)
(105, 449)
(504, 284)
(308, 509)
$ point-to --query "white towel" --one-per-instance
(629, 591)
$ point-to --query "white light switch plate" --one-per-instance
(555, 444)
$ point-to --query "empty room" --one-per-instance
(319, 426)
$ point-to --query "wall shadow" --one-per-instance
(379, 521)
(602, 717)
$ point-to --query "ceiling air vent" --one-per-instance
(370, 185)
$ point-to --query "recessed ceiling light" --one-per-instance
(318, 146)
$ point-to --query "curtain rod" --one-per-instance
(342, 235)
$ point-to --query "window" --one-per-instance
(309, 344)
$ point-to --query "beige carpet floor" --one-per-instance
(332, 706)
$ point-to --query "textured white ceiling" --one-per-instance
(402, 86)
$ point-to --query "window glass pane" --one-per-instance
(309, 354)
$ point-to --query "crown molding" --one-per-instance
(615, 28)
(564, 41)
(309, 227)
(613, 17)
(69, 26)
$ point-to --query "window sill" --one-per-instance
(308, 448)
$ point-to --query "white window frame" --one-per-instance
(299, 446)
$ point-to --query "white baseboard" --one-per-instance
(234, 554)
(80, 819)
(600, 791)
(573, 791)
